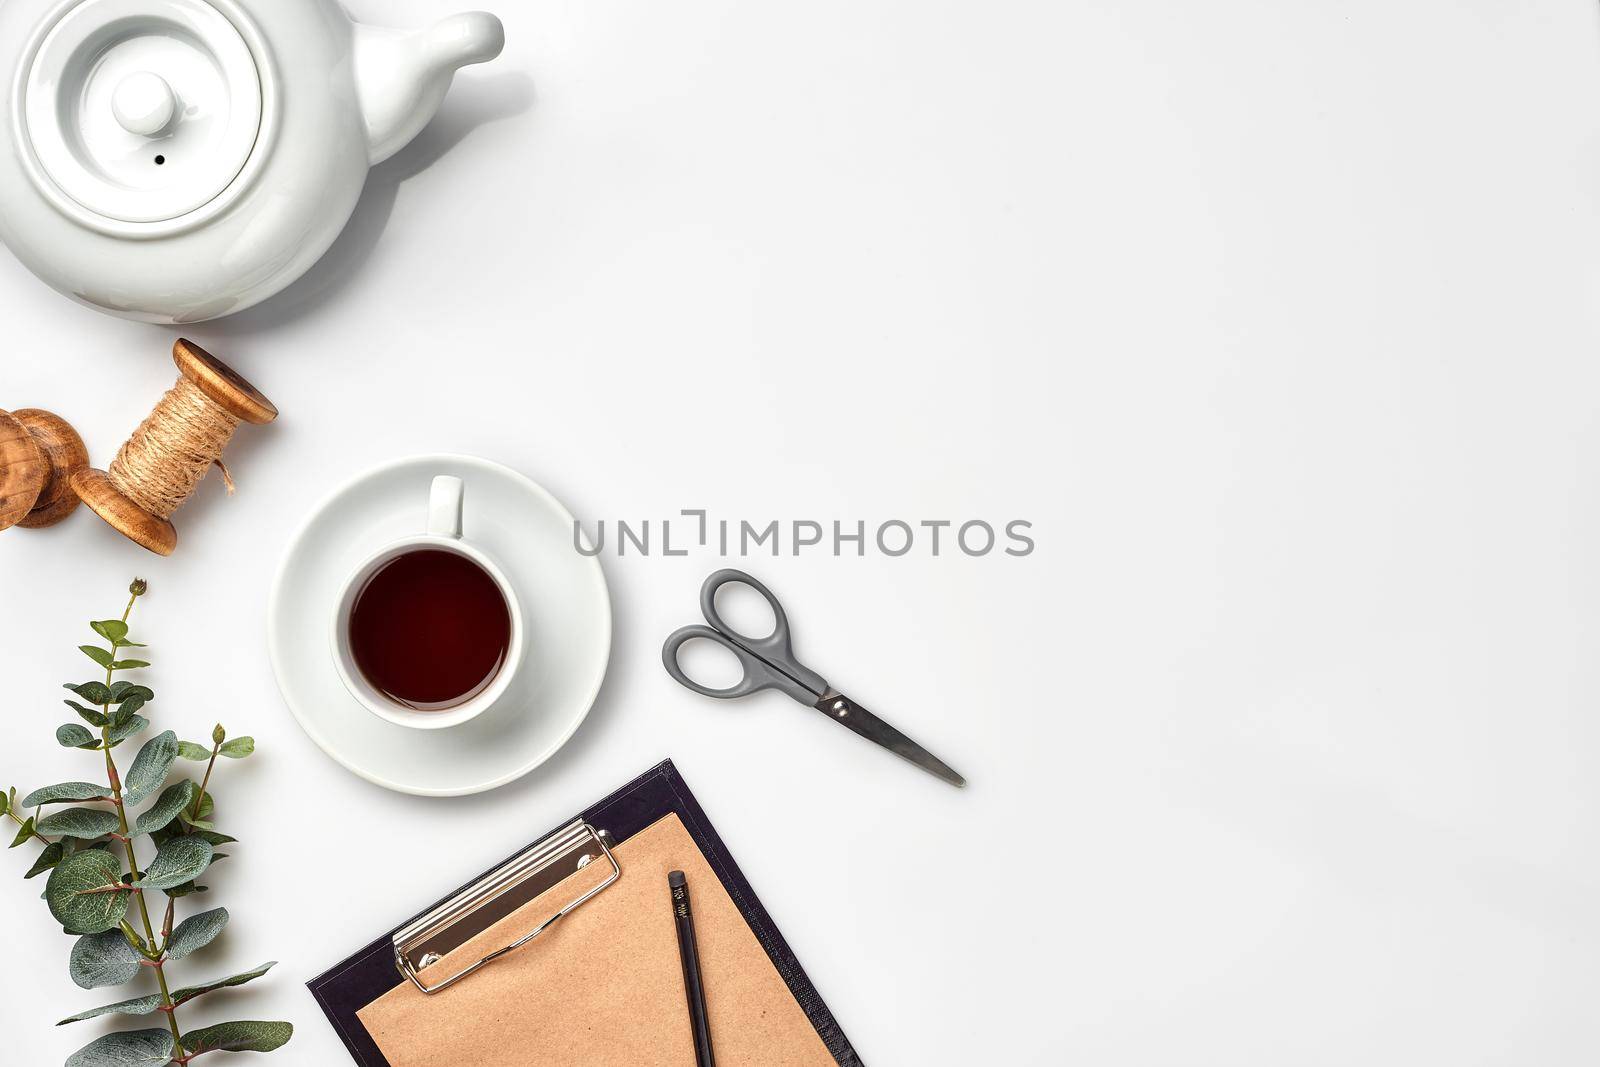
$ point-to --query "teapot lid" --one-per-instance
(143, 111)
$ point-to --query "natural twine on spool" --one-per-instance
(159, 466)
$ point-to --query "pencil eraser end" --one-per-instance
(676, 880)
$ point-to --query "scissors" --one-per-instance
(769, 663)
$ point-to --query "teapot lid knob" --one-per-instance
(144, 104)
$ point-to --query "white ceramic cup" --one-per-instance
(445, 504)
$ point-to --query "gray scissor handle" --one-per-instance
(769, 662)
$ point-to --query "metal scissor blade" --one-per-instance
(842, 709)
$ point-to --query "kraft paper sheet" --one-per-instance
(604, 986)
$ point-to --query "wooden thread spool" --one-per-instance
(165, 458)
(38, 454)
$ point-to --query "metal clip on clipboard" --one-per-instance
(425, 941)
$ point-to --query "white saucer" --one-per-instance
(564, 598)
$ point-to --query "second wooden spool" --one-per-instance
(38, 454)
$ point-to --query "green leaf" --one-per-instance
(100, 655)
(74, 735)
(5, 802)
(180, 860)
(236, 1037)
(207, 806)
(126, 710)
(123, 731)
(173, 800)
(187, 750)
(93, 692)
(121, 691)
(103, 959)
(150, 767)
(47, 859)
(111, 629)
(196, 932)
(89, 715)
(129, 664)
(24, 835)
(182, 996)
(65, 792)
(215, 839)
(85, 892)
(184, 890)
(239, 747)
(136, 1006)
(83, 823)
(132, 1048)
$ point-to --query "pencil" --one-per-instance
(690, 954)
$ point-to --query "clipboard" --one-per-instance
(567, 886)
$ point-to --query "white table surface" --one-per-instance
(1277, 321)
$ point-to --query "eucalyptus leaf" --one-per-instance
(196, 932)
(216, 839)
(121, 691)
(5, 801)
(88, 715)
(24, 835)
(126, 710)
(190, 751)
(238, 748)
(113, 630)
(123, 731)
(131, 1048)
(84, 823)
(100, 655)
(173, 799)
(93, 692)
(103, 959)
(65, 792)
(129, 664)
(184, 890)
(85, 892)
(237, 1037)
(136, 1006)
(182, 996)
(176, 862)
(150, 767)
(75, 735)
(202, 813)
(47, 859)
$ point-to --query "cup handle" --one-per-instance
(445, 500)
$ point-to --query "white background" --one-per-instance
(1276, 319)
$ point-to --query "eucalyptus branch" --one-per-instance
(91, 894)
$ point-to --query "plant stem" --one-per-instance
(115, 781)
(204, 782)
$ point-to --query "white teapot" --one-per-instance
(179, 160)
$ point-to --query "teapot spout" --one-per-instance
(402, 77)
